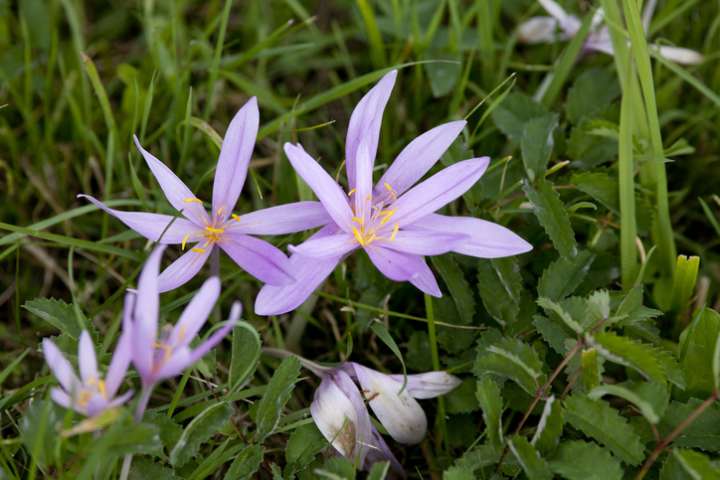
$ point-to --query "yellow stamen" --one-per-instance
(235, 217)
(214, 230)
(192, 200)
(394, 231)
(358, 236)
(101, 388)
(358, 220)
(390, 189)
(184, 240)
(84, 398)
(181, 333)
(167, 350)
(387, 215)
(220, 211)
(352, 191)
(197, 250)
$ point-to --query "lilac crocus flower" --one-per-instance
(561, 26)
(393, 221)
(221, 227)
(89, 395)
(158, 357)
(340, 413)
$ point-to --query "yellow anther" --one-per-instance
(390, 189)
(220, 211)
(101, 388)
(352, 191)
(386, 216)
(358, 236)
(369, 197)
(215, 230)
(360, 221)
(197, 250)
(395, 230)
(184, 241)
(192, 200)
(235, 217)
(182, 331)
(83, 398)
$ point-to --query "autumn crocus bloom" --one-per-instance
(199, 232)
(392, 221)
(340, 413)
(90, 394)
(160, 356)
(560, 26)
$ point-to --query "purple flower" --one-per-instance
(561, 26)
(339, 410)
(157, 357)
(221, 227)
(89, 395)
(393, 221)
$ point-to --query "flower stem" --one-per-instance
(139, 412)
(435, 357)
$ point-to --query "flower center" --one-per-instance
(92, 387)
(368, 228)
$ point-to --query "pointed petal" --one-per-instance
(177, 193)
(283, 219)
(234, 159)
(184, 268)
(117, 401)
(326, 189)
(145, 315)
(539, 30)
(179, 361)
(395, 265)
(96, 405)
(400, 414)
(335, 417)
(365, 123)
(378, 451)
(438, 190)
(258, 257)
(425, 280)
(430, 384)
(325, 247)
(569, 23)
(216, 337)
(121, 357)
(60, 397)
(86, 359)
(683, 56)
(157, 227)
(195, 314)
(418, 157)
(60, 367)
(483, 239)
(362, 196)
(423, 242)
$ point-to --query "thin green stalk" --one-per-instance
(626, 179)
(377, 47)
(435, 358)
(215, 65)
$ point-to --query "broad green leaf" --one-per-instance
(553, 217)
(276, 395)
(695, 464)
(460, 291)
(564, 275)
(684, 279)
(550, 427)
(646, 408)
(510, 358)
(246, 346)
(198, 431)
(578, 460)
(144, 468)
(703, 433)
(491, 403)
(500, 287)
(642, 357)
(532, 463)
(631, 310)
(304, 444)
(379, 471)
(246, 464)
(514, 112)
(336, 468)
(697, 351)
(169, 430)
(554, 333)
(462, 399)
(590, 368)
(537, 144)
(57, 313)
(443, 75)
(591, 94)
(600, 421)
(600, 186)
(465, 467)
(553, 307)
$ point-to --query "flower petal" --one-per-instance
(429, 384)
(283, 219)
(438, 190)
(483, 239)
(539, 30)
(325, 247)
(184, 268)
(258, 257)
(123, 351)
(683, 56)
(157, 227)
(60, 397)
(86, 359)
(179, 361)
(425, 280)
(395, 265)
(195, 314)
(117, 401)
(60, 367)
(217, 337)
(363, 181)
(145, 315)
(309, 273)
(177, 193)
(365, 123)
(569, 23)
(378, 451)
(326, 189)
(418, 157)
(423, 242)
(400, 414)
(234, 159)
(335, 417)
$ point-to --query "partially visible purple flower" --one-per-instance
(339, 410)
(89, 395)
(158, 357)
(561, 26)
(392, 221)
(221, 227)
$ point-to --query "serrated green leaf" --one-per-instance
(514, 112)
(553, 217)
(490, 400)
(246, 347)
(697, 351)
(500, 288)
(590, 368)
(553, 332)
(534, 466)
(512, 359)
(646, 408)
(462, 399)
(591, 93)
(600, 186)
(564, 275)
(246, 464)
(57, 313)
(198, 431)
(304, 444)
(465, 467)
(578, 460)
(600, 421)
(276, 395)
(460, 291)
(696, 465)
(536, 144)
(550, 427)
(703, 433)
(553, 307)
(642, 357)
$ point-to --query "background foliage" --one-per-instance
(582, 359)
